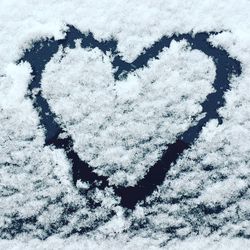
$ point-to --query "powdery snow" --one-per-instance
(126, 123)
(206, 194)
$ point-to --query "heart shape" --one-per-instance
(132, 112)
(127, 123)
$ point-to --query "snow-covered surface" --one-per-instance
(205, 196)
(126, 123)
(82, 243)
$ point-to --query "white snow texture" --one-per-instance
(122, 127)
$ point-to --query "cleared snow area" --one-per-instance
(121, 128)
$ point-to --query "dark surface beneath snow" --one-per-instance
(42, 51)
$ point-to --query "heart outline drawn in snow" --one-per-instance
(41, 53)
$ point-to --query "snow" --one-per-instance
(120, 123)
(77, 243)
(204, 200)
